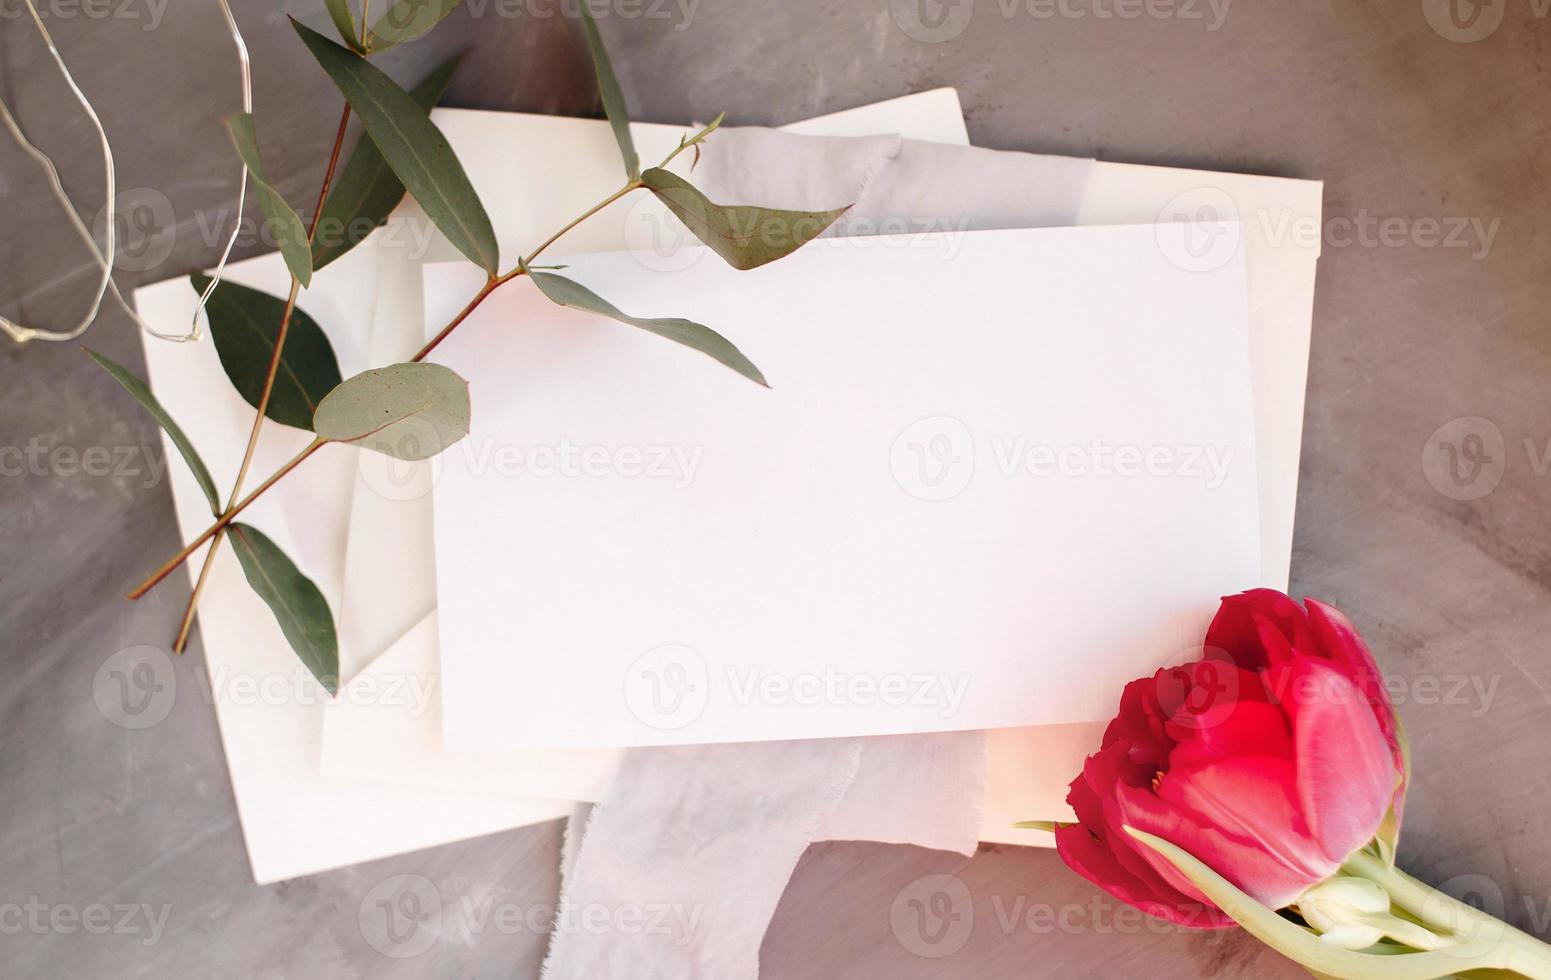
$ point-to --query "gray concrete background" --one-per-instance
(1423, 340)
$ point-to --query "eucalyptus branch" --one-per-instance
(694, 141)
(268, 389)
(491, 285)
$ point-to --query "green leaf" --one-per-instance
(416, 150)
(746, 237)
(564, 292)
(613, 98)
(298, 606)
(290, 233)
(344, 22)
(142, 394)
(408, 411)
(366, 190)
(407, 20)
(1049, 826)
(244, 323)
(1305, 947)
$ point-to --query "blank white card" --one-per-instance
(998, 474)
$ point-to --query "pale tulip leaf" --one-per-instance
(746, 237)
(1387, 837)
(408, 411)
(244, 323)
(419, 154)
(367, 190)
(1303, 946)
(141, 392)
(565, 292)
(298, 605)
(1049, 826)
(286, 225)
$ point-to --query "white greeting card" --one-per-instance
(986, 489)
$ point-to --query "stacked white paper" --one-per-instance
(416, 793)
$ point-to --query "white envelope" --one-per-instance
(1029, 767)
(296, 820)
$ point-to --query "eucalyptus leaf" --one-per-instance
(408, 411)
(344, 22)
(142, 394)
(613, 98)
(366, 190)
(244, 323)
(416, 150)
(746, 237)
(565, 292)
(297, 603)
(290, 233)
(407, 20)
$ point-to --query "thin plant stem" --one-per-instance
(1447, 916)
(172, 563)
(181, 640)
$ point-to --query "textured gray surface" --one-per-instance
(1407, 123)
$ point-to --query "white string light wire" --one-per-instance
(105, 256)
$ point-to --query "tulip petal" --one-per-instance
(1096, 862)
(1234, 636)
(1253, 800)
(1218, 694)
(1346, 769)
(1095, 805)
(1266, 876)
(1340, 641)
